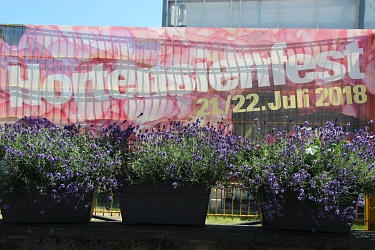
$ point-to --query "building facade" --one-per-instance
(338, 14)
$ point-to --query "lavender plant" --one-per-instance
(119, 136)
(185, 153)
(46, 160)
(327, 166)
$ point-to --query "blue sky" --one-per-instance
(131, 13)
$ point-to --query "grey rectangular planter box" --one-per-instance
(164, 204)
(24, 209)
(304, 216)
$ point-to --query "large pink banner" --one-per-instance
(99, 75)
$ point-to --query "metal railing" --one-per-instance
(230, 203)
(233, 203)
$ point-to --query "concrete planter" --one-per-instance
(162, 204)
(24, 209)
(305, 216)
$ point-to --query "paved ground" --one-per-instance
(115, 235)
(106, 217)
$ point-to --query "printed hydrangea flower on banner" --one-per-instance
(85, 75)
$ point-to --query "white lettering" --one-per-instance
(338, 69)
(300, 62)
(179, 80)
(278, 60)
(49, 85)
(26, 90)
(129, 79)
(98, 76)
(352, 52)
(222, 78)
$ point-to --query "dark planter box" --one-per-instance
(304, 216)
(162, 204)
(23, 209)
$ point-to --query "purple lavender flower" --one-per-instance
(185, 153)
(50, 160)
(327, 165)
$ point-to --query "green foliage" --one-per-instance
(185, 154)
(41, 158)
(328, 165)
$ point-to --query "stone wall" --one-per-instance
(115, 235)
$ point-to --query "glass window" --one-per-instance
(194, 14)
(259, 14)
(369, 22)
(177, 14)
(270, 13)
(11, 34)
(217, 14)
(338, 14)
(298, 14)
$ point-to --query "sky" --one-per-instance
(130, 13)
